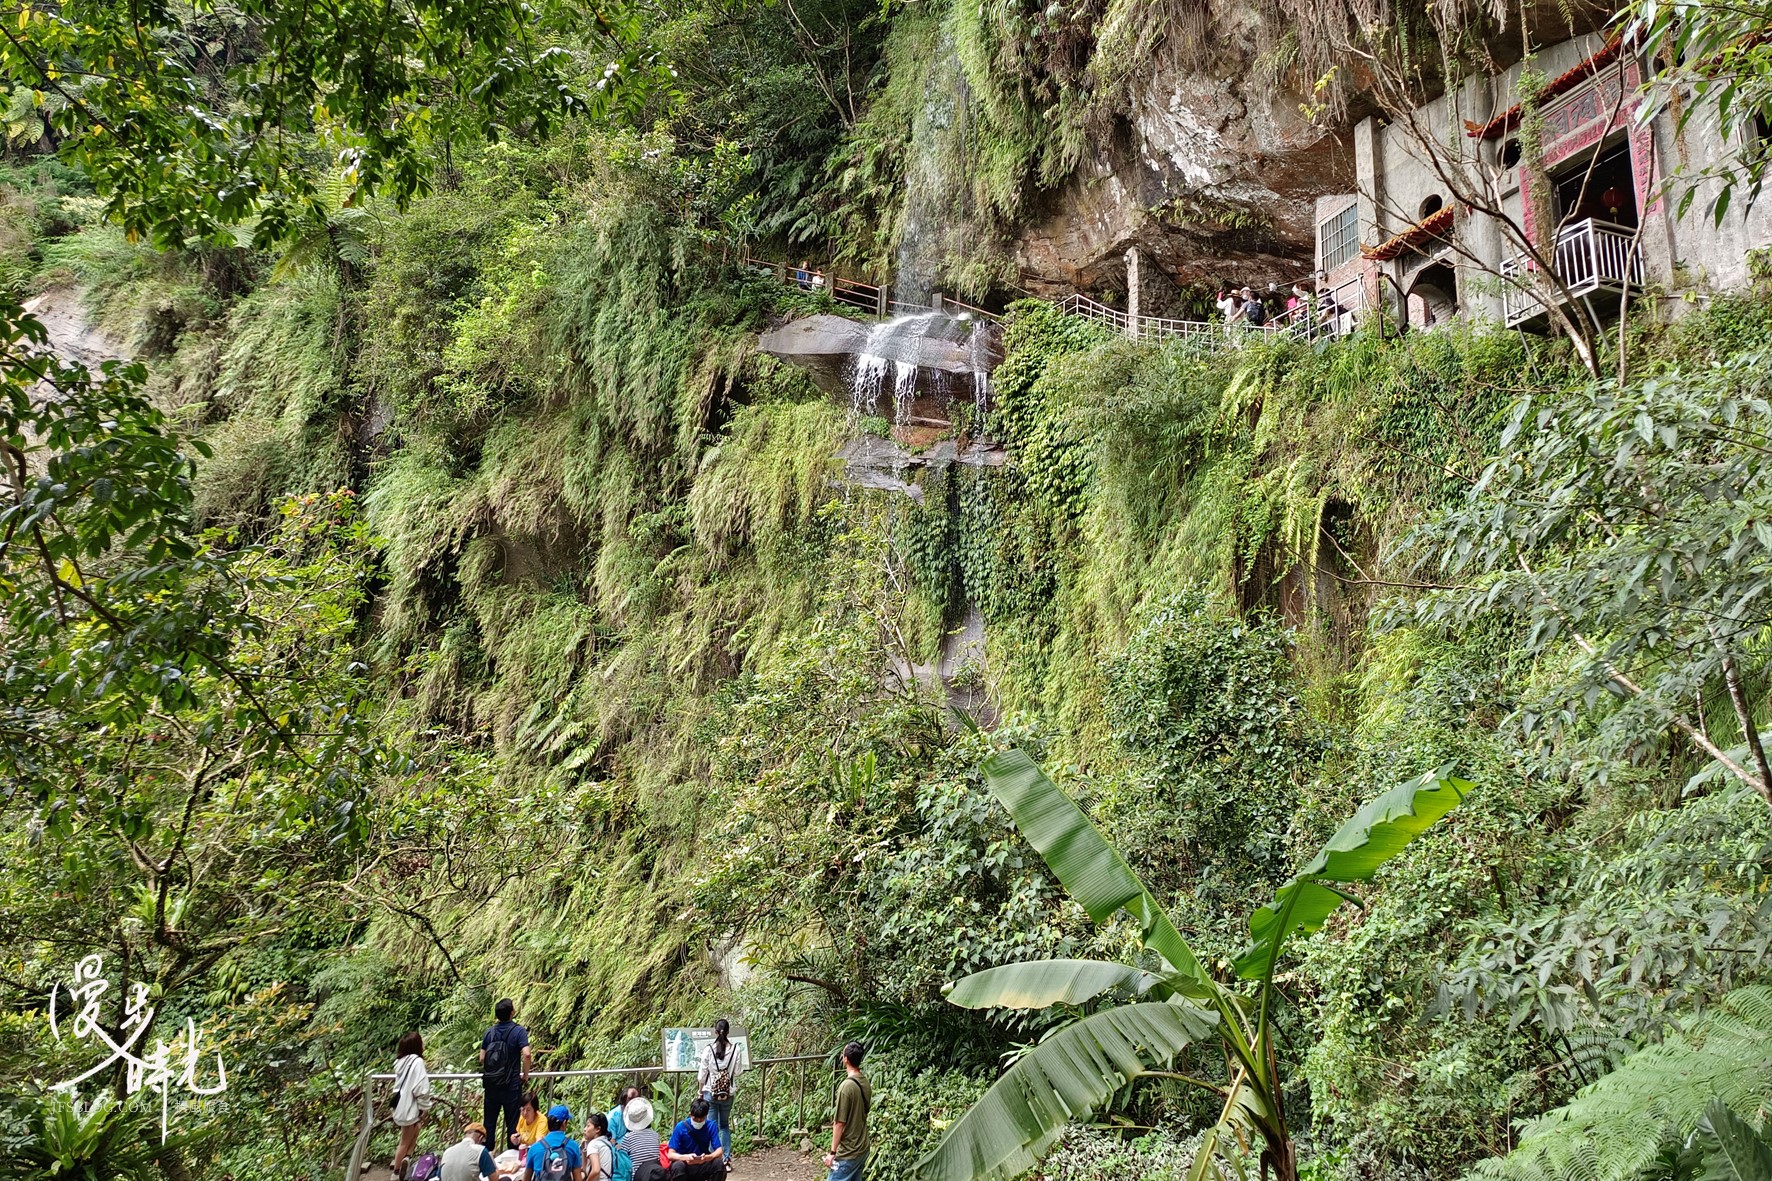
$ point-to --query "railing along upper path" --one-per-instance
(1305, 322)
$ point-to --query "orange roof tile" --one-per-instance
(1566, 81)
(1426, 230)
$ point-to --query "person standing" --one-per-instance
(695, 1150)
(717, 1078)
(848, 1158)
(1328, 308)
(468, 1160)
(505, 1062)
(412, 1095)
(1254, 313)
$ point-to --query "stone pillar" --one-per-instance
(937, 302)
(1369, 179)
(1132, 285)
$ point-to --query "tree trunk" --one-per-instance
(1281, 1158)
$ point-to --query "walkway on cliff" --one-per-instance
(1302, 322)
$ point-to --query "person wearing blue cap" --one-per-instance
(556, 1156)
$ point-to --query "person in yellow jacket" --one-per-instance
(532, 1125)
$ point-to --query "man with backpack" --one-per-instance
(848, 1158)
(1254, 311)
(556, 1156)
(505, 1062)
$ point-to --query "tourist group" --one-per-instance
(617, 1145)
(1298, 308)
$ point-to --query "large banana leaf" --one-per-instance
(1035, 984)
(1071, 1073)
(1090, 868)
(1371, 837)
(1733, 1151)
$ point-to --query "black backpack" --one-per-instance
(1255, 313)
(501, 1066)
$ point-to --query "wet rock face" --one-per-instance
(829, 347)
(1212, 176)
(825, 346)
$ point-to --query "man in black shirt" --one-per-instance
(505, 1062)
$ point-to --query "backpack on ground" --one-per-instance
(500, 1067)
(556, 1165)
(423, 1168)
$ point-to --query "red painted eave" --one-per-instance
(1429, 229)
(1561, 84)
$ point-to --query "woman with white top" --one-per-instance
(599, 1154)
(717, 1078)
(412, 1095)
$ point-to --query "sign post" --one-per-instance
(683, 1047)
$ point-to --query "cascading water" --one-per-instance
(978, 354)
(934, 177)
(920, 351)
(866, 382)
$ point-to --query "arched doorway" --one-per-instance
(1433, 295)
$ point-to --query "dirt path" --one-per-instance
(777, 1164)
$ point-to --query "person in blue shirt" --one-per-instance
(618, 1125)
(695, 1149)
(556, 1156)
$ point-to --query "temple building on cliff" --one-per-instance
(1443, 220)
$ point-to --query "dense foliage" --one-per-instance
(450, 602)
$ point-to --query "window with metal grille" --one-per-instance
(1339, 238)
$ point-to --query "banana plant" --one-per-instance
(1172, 1004)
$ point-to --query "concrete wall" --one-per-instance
(1705, 255)
(1401, 164)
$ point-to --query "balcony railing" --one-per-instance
(1592, 257)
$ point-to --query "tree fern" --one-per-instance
(1618, 1127)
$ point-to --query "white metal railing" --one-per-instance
(1078, 304)
(1329, 314)
(1338, 310)
(1591, 256)
(1332, 313)
(461, 1091)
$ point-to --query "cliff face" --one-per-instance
(1212, 174)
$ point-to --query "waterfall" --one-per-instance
(977, 354)
(865, 383)
(935, 181)
(932, 356)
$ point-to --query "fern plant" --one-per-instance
(1661, 1113)
(105, 1140)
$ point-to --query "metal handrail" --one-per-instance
(761, 1065)
(1590, 255)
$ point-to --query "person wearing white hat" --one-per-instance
(641, 1141)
